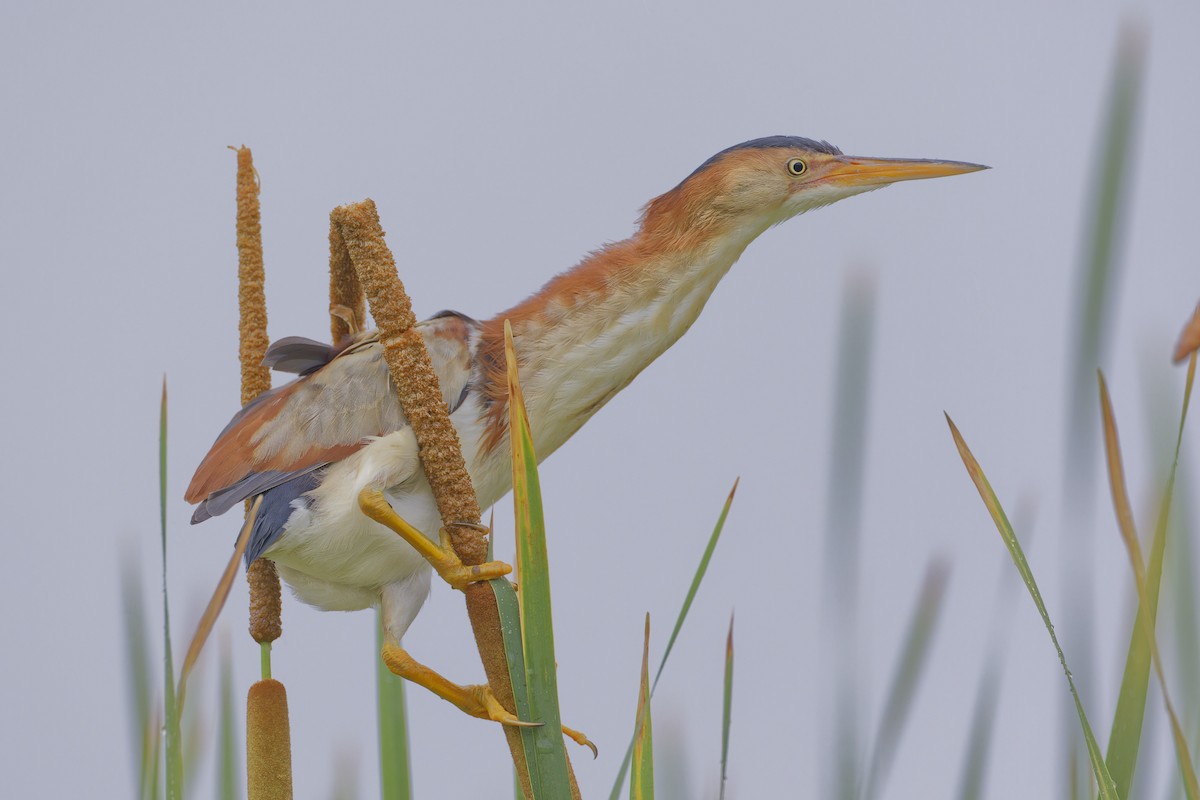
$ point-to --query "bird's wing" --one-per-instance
(323, 416)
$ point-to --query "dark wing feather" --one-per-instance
(298, 355)
(277, 506)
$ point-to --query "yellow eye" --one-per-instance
(797, 166)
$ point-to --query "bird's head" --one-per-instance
(763, 182)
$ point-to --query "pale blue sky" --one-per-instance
(501, 143)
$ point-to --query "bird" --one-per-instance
(336, 463)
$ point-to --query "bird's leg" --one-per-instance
(476, 700)
(443, 558)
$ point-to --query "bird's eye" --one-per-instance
(797, 166)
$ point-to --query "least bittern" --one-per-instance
(336, 463)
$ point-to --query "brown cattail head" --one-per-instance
(412, 372)
(252, 301)
(265, 601)
(346, 297)
(268, 743)
(265, 625)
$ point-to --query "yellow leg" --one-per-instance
(476, 699)
(443, 558)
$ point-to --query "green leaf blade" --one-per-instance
(174, 743)
(1108, 790)
(726, 708)
(395, 760)
(641, 781)
(549, 773)
(907, 673)
(701, 569)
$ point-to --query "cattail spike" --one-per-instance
(252, 301)
(266, 600)
(268, 743)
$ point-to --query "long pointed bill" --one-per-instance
(859, 171)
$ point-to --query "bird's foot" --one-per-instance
(477, 700)
(442, 557)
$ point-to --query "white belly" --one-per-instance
(336, 558)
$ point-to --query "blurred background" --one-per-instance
(502, 142)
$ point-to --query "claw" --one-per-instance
(496, 712)
(580, 739)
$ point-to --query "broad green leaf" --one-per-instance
(1108, 791)
(548, 772)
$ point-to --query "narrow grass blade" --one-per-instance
(844, 504)
(193, 745)
(216, 603)
(979, 738)
(1189, 338)
(907, 673)
(1093, 326)
(727, 707)
(137, 660)
(701, 569)
(548, 773)
(1108, 790)
(1147, 595)
(227, 744)
(1104, 227)
(1185, 614)
(641, 781)
(151, 786)
(395, 776)
(1125, 736)
(174, 739)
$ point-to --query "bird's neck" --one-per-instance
(590, 331)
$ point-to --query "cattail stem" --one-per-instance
(268, 732)
(265, 622)
(357, 236)
(412, 371)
